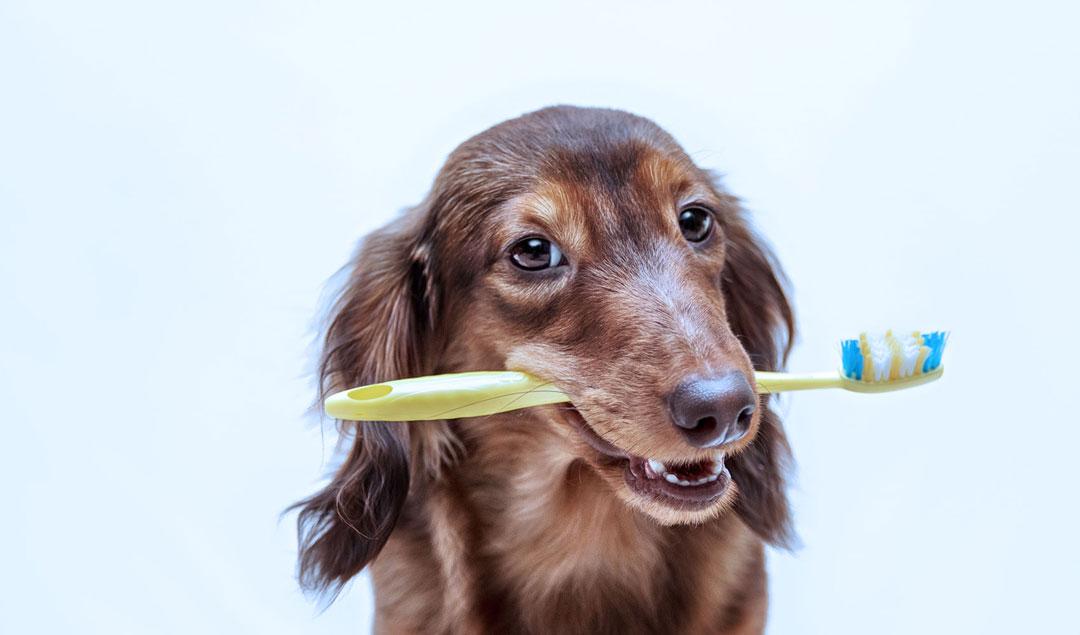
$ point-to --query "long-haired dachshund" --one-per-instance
(585, 247)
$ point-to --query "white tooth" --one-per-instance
(713, 478)
(670, 478)
(718, 466)
(684, 482)
(656, 466)
(698, 481)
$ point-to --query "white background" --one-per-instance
(178, 183)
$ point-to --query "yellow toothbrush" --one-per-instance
(871, 363)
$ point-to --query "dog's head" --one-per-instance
(582, 246)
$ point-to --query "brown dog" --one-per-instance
(582, 246)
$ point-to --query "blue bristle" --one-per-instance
(936, 342)
(853, 359)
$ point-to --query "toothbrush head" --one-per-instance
(876, 362)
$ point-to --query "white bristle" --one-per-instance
(880, 355)
(909, 349)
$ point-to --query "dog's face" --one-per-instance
(585, 247)
(604, 277)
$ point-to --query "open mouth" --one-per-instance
(680, 485)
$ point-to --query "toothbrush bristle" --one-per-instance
(882, 357)
(853, 359)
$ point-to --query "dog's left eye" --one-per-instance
(534, 254)
(696, 223)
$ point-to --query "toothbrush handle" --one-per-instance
(451, 396)
(771, 382)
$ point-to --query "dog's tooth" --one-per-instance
(670, 478)
(650, 473)
(657, 466)
(718, 465)
(712, 478)
(683, 482)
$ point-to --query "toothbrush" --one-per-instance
(872, 363)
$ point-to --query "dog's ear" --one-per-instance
(382, 327)
(761, 317)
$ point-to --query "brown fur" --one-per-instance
(512, 523)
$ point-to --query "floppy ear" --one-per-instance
(761, 317)
(382, 328)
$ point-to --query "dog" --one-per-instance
(585, 247)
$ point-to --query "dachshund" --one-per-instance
(583, 246)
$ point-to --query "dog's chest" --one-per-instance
(582, 561)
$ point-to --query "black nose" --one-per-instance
(714, 410)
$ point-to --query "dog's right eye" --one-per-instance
(535, 253)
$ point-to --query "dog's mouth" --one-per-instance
(680, 485)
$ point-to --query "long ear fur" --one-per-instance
(382, 328)
(761, 317)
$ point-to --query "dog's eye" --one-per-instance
(534, 254)
(696, 224)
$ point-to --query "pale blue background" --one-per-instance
(178, 182)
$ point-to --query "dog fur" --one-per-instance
(514, 522)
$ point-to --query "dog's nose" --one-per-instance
(713, 411)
